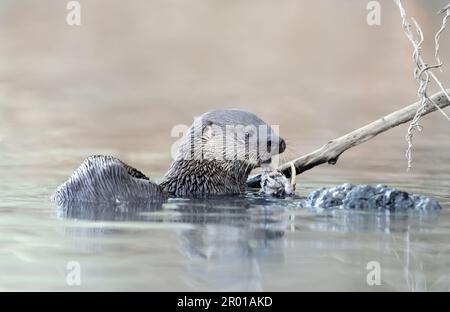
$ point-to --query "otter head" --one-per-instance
(230, 135)
(219, 150)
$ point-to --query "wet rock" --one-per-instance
(380, 197)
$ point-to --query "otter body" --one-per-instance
(215, 157)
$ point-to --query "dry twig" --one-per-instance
(422, 72)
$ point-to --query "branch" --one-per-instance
(330, 152)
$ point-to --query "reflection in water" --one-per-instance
(346, 221)
(229, 258)
(230, 242)
(229, 235)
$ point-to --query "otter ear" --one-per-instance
(207, 131)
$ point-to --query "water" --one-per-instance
(119, 84)
(239, 243)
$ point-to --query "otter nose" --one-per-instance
(282, 146)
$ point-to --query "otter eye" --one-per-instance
(249, 133)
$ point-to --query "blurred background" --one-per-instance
(118, 83)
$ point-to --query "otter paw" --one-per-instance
(274, 183)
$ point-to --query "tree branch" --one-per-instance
(330, 152)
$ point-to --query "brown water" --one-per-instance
(119, 83)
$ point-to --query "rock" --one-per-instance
(380, 197)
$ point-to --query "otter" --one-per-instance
(215, 157)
